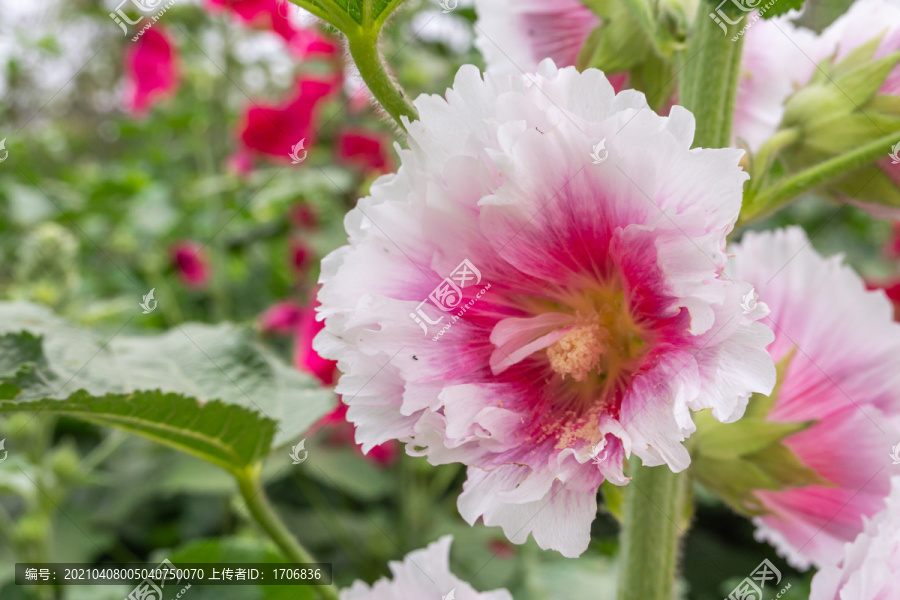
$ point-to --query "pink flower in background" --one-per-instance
(301, 256)
(275, 130)
(774, 63)
(299, 321)
(191, 264)
(870, 566)
(422, 574)
(844, 375)
(151, 70)
(274, 15)
(367, 150)
(594, 316)
(516, 35)
(304, 215)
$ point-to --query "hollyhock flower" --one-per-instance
(422, 574)
(191, 264)
(304, 215)
(870, 568)
(594, 320)
(287, 318)
(151, 70)
(301, 256)
(275, 130)
(301, 322)
(272, 14)
(366, 150)
(843, 374)
(774, 62)
(516, 35)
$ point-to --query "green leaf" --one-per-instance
(615, 499)
(743, 437)
(782, 7)
(227, 435)
(207, 362)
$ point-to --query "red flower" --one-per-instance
(273, 15)
(275, 130)
(301, 256)
(365, 150)
(151, 70)
(304, 215)
(191, 264)
(289, 318)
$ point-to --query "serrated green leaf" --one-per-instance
(227, 435)
(207, 362)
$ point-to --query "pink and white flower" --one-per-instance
(844, 375)
(606, 321)
(422, 574)
(516, 35)
(870, 568)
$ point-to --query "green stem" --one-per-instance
(655, 506)
(789, 188)
(262, 511)
(374, 71)
(767, 153)
(709, 81)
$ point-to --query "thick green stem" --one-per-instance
(655, 508)
(263, 513)
(789, 188)
(374, 71)
(709, 81)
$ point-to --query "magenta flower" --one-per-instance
(151, 70)
(870, 568)
(276, 130)
(516, 35)
(576, 313)
(366, 150)
(191, 264)
(422, 574)
(844, 374)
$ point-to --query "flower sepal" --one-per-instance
(734, 460)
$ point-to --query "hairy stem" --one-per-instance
(374, 71)
(709, 81)
(655, 506)
(263, 513)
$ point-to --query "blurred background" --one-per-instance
(172, 163)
